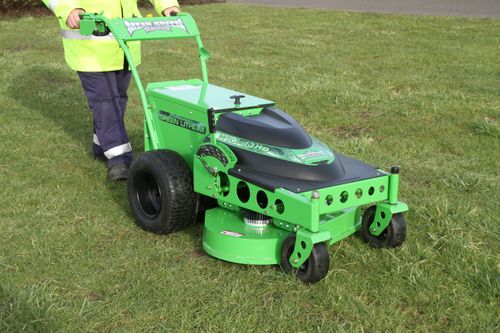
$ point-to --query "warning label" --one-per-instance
(232, 233)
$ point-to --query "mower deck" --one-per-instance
(227, 238)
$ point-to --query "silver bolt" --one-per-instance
(315, 195)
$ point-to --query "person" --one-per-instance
(104, 73)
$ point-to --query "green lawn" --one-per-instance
(420, 92)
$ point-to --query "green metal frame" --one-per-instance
(180, 115)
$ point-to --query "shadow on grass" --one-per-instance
(26, 311)
(58, 96)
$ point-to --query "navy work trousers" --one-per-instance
(107, 98)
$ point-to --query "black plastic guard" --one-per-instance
(353, 170)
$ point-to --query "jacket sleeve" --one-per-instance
(161, 5)
(62, 8)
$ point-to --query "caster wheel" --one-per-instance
(160, 192)
(393, 236)
(313, 269)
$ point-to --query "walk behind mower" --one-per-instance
(279, 196)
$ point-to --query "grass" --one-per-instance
(420, 92)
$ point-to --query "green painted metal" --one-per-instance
(226, 237)
(393, 188)
(341, 224)
(304, 243)
(288, 208)
(197, 94)
(383, 215)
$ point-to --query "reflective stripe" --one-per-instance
(53, 4)
(117, 151)
(75, 34)
(96, 140)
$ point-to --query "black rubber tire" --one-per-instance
(314, 268)
(160, 192)
(393, 236)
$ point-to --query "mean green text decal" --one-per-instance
(182, 122)
(318, 152)
(152, 25)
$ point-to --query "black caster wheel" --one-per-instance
(393, 236)
(160, 192)
(314, 268)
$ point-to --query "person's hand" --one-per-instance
(170, 10)
(73, 20)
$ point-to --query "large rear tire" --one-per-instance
(160, 192)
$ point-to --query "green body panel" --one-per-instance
(297, 209)
(199, 95)
(341, 224)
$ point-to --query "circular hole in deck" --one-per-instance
(280, 206)
(224, 183)
(344, 196)
(262, 200)
(243, 192)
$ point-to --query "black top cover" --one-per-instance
(271, 173)
(272, 126)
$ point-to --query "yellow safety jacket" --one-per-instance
(94, 53)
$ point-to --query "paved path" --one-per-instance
(469, 8)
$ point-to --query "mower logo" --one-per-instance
(182, 122)
(242, 143)
(149, 26)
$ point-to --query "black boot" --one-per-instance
(118, 171)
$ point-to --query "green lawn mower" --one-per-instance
(272, 194)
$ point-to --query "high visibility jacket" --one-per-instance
(93, 53)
